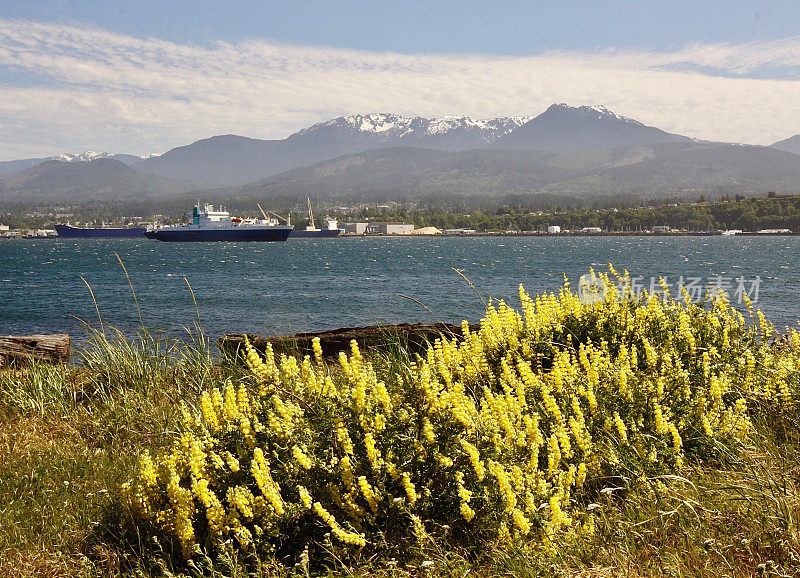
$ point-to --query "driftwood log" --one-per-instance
(414, 336)
(24, 348)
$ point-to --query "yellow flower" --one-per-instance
(474, 458)
(427, 431)
(520, 522)
(622, 432)
(338, 532)
(411, 493)
(305, 497)
(368, 493)
(301, 458)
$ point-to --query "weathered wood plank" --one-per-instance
(415, 336)
(22, 348)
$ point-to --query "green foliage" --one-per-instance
(503, 439)
(70, 436)
(748, 214)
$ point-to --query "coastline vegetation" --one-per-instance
(581, 433)
(535, 213)
(745, 213)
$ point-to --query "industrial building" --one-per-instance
(355, 228)
(388, 228)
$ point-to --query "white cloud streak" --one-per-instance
(77, 88)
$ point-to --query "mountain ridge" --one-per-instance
(97, 179)
(562, 128)
(10, 168)
(587, 144)
(228, 160)
(790, 145)
(233, 160)
(407, 173)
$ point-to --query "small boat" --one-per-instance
(70, 232)
(217, 225)
(330, 227)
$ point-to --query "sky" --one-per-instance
(142, 77)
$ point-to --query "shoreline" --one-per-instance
(487, 234)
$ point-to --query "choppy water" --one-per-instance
(315, 284)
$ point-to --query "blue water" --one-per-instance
(316, 284)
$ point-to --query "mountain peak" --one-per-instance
(387, 125)
(564, 128)
(103, 177)
(789, 145)
(85, 156)
(88, 156)
(598, 111)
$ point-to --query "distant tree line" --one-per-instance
(517, 214)
(748, 214)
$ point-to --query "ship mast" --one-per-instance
(311, 224)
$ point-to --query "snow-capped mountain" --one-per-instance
(390, 126)
(599, 112)
(233, 160)
(83, 157)
(348, 134)
(230, 159)
(98, 178)
(10, 168)
(88, 156)
(385, 156)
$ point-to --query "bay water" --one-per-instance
(317, 284)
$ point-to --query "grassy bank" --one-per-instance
(722, 502)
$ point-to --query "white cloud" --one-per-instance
(88, 88)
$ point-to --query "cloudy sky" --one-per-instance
(142, 77)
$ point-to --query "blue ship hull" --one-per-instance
(238, 234)
(70, 232)
(321, 233)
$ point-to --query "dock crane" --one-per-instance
(287, 220)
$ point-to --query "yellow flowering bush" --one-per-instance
(501, 438)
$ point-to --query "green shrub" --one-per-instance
(499, 441)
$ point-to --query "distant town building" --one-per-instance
(39, 233)
(388, 228)
(773, 231)
(355, 228)
(5, 227)
(591, 230)
(460, 231)
(426, 231)
(554, 229)
(661, 229)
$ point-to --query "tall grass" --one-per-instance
(71, 435)
(510, 440)
(38, 389)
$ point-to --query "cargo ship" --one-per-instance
(70, 232)
(210, 225)
(330, 227)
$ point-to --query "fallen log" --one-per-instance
(416, 337)
(24, 348)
